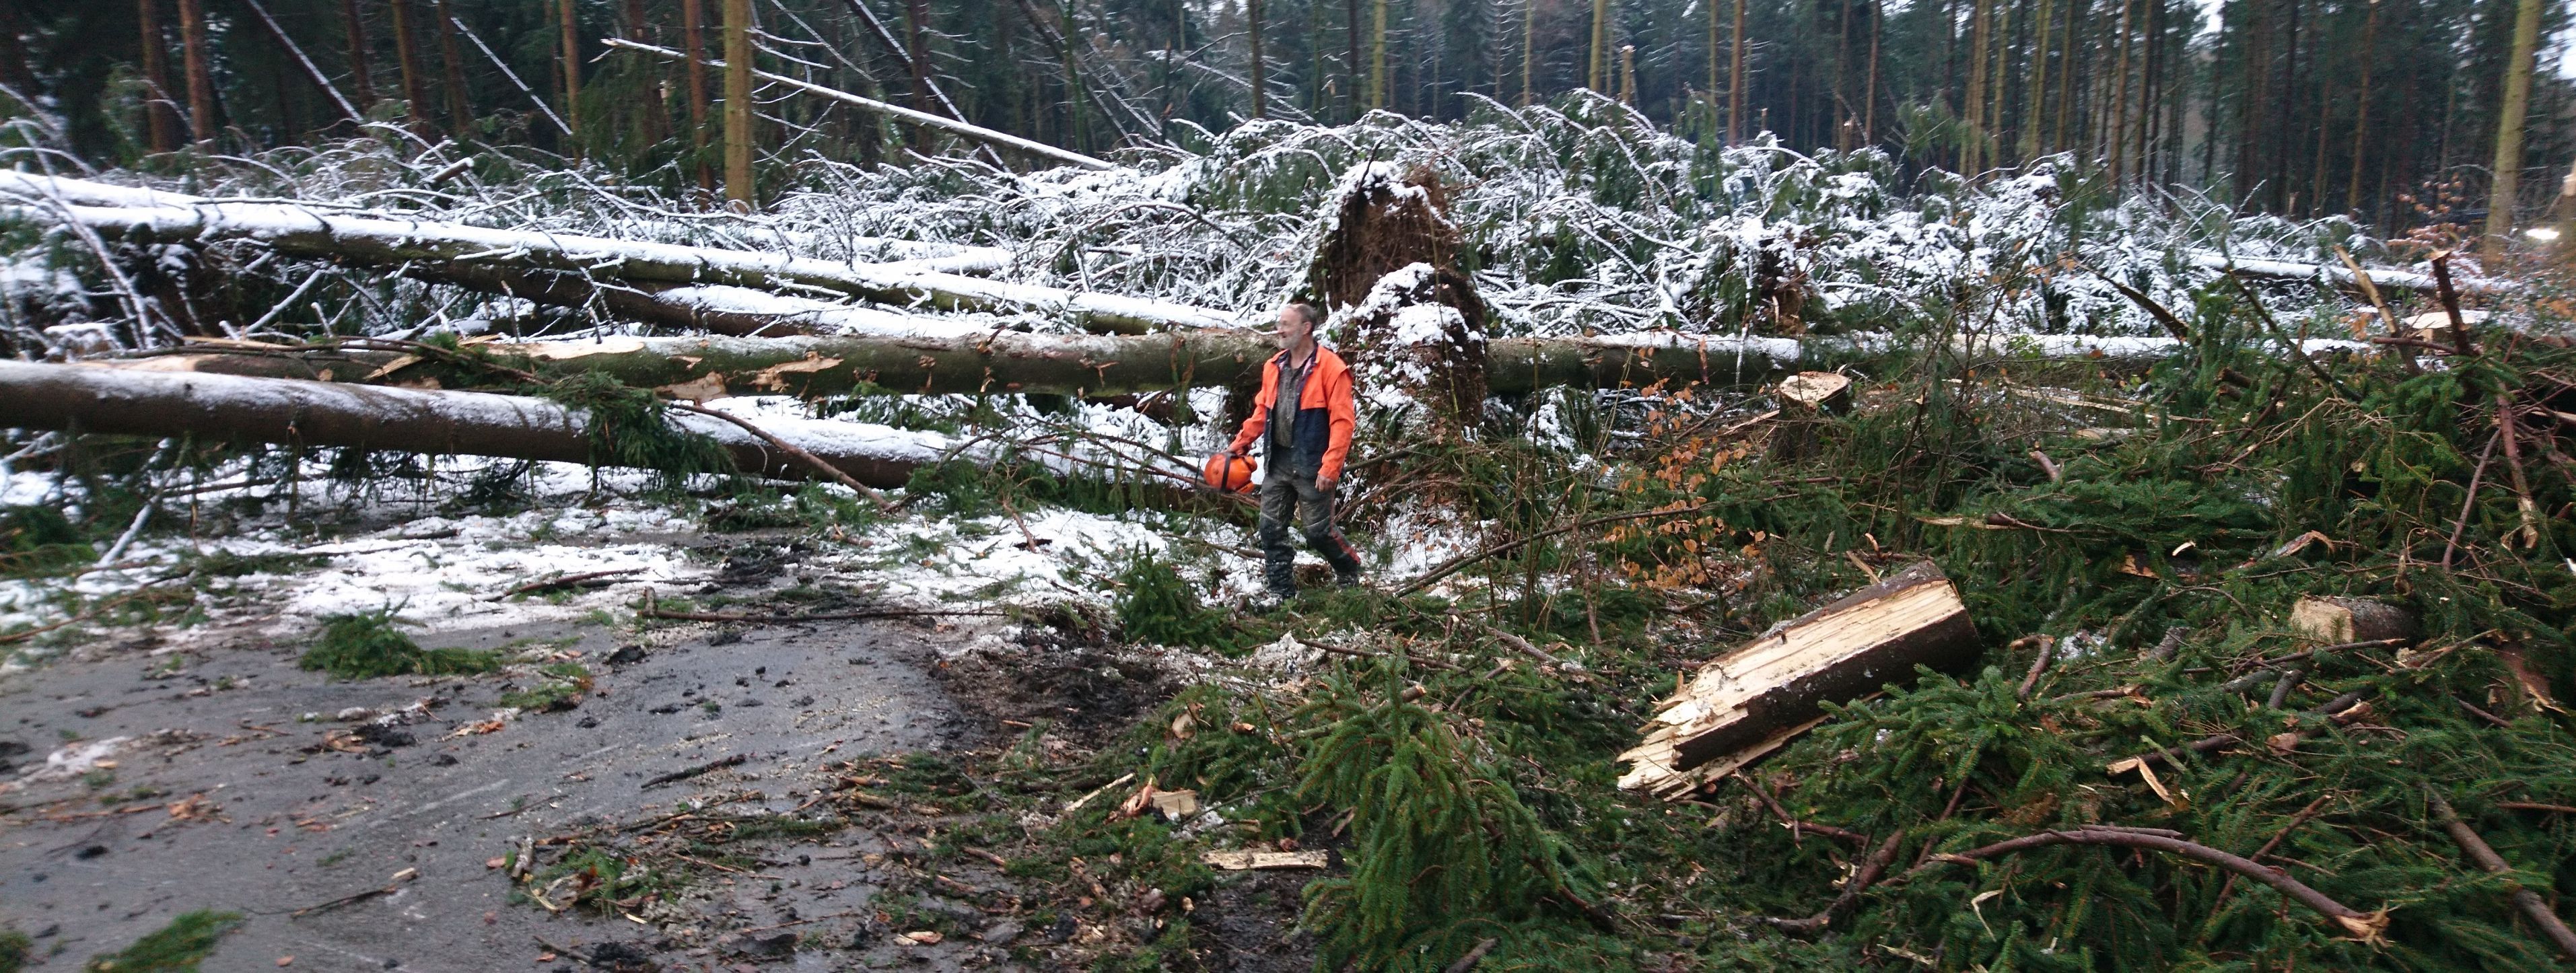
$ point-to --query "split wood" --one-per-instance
(2527, 900)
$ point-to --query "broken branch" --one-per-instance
(2365, 926)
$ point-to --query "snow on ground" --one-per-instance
(444, 569)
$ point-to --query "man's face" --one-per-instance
(1293, 329)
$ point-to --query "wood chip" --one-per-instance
(1237, 861)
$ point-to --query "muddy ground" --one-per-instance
(245, 784)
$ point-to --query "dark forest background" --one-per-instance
(2382, 109)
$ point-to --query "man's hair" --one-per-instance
(1309, 313)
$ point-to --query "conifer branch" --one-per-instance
(2365, 926)
(2486, 858)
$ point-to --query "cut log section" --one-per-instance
(2340, 621)
(1753, 700)
(1816, 392)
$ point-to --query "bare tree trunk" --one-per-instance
(1735, 78)
(2038, 107)
(1842, 112)
(201, 81)
(1999, 78)
(570, 28)
(2066, 91)
(916, 17)
(1869, 98)
(692, 35)
(1377, 58)
(1974, 105)
(737, 106)
(1628, 75)
(415, 78)
(656, 119)
(1252, 12)
(2361, 111)
(2287, 113)
(460, 101)
(359, 82)
(2509, 116)
(1529, 50)
(1598, 54)
(162, 115)
(2120, 101)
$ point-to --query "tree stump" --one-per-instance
(1807, 400)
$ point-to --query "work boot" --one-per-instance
(1270, 601)
(1348, 580)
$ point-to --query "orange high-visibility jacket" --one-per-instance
(1325, 415)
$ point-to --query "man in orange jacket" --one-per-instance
(1304, 414)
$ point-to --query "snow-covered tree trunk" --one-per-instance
(225, 407)
(379, 240)
(908, 354)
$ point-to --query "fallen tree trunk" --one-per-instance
(1753, 700)
(383, 241)
(955, 258)
(2342, 277)
(225, 407)
(914, 354)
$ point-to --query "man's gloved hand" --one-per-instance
(1324, 484)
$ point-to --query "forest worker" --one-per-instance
(1304, 416)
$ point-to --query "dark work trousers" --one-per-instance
(1289, 492)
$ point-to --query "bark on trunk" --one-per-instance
(162, 114)
(359, 83)
(1751, 701)
(451, 60)
(407, 53)
(2337, 621)
(569, 25)
(739, 189)
(912, 355)
(2509, 115)
(1252, 18)
(692, 16)
(296, 231)
(122, 402)
(201, 81)
(1807, 400)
